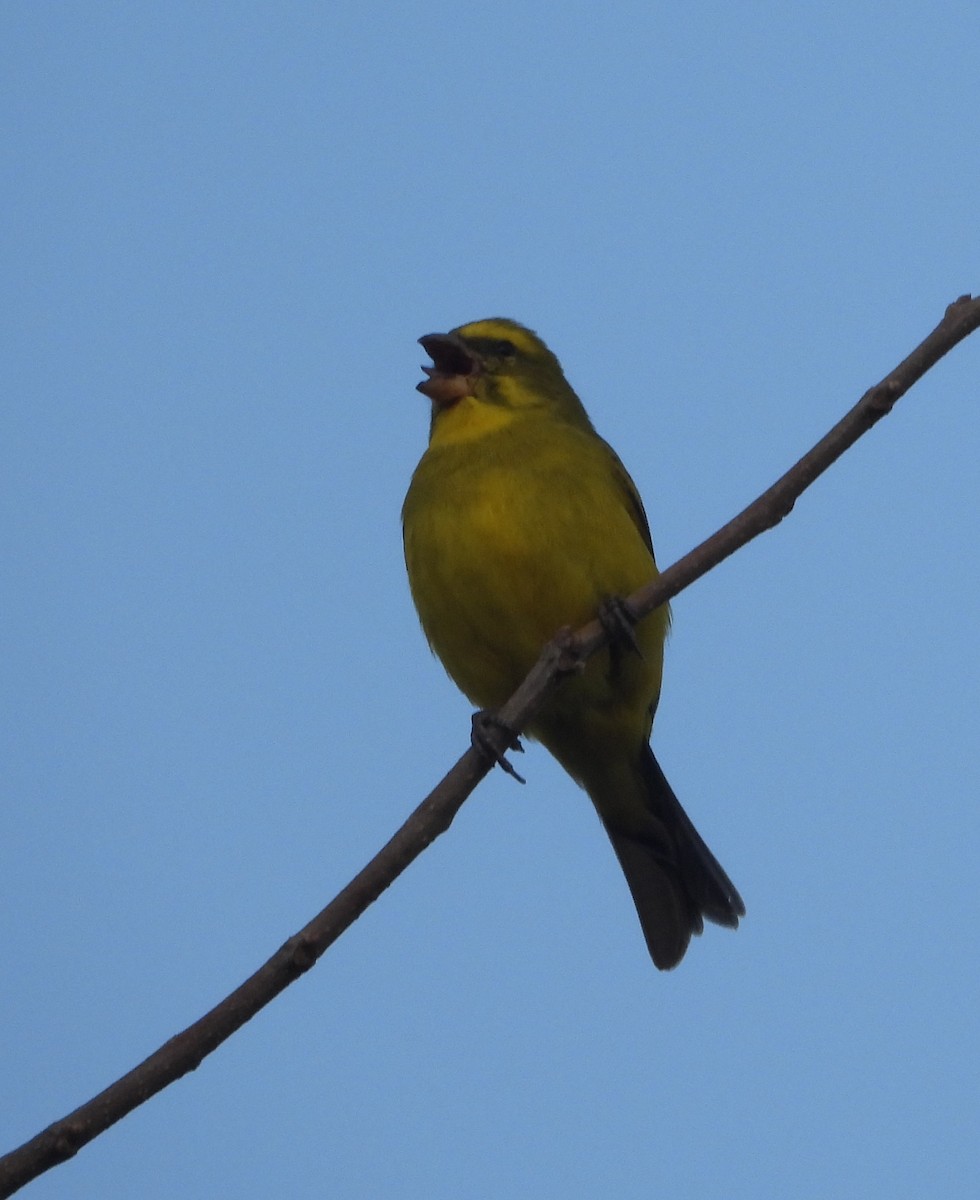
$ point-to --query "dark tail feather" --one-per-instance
(674, 878)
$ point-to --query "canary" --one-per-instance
(520, 520)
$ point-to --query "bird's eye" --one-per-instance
(502, 348)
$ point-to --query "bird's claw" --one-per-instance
(618, 621)
(483, 722)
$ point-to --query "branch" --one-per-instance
(434, 815)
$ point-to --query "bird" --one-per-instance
(519, 521)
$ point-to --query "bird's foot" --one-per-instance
(617, 619)
(484, 722)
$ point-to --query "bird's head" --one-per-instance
(500, 363)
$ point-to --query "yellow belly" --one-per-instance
(508, 539)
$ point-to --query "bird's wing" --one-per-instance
(631, 497)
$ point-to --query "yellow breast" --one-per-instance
(511, 533)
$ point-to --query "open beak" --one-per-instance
(454, 369)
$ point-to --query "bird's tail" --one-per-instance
(674, 878)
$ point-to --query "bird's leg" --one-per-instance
(483, 722)
(617, 619)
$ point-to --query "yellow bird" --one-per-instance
(519, 520)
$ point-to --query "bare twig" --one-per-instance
(434, 815)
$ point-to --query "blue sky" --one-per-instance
(224, 227)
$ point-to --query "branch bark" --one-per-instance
(186, 1050)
